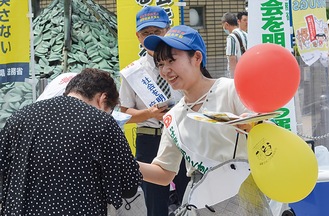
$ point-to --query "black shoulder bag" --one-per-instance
(243, 50)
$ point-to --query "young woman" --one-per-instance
(180, 56)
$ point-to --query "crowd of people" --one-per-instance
(66, 155)
(147, 115)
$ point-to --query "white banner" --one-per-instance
(270, 22)
(143, 84)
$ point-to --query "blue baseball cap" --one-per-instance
(152, 16)
(180, 37)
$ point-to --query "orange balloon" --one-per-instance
(266, 77)
(283, 166)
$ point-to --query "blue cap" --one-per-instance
(179, 37)
(152, 16)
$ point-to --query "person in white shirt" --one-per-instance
(181, 58)
(151, 20)
(236, 42)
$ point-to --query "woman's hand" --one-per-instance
(156, 112)
(246, 127)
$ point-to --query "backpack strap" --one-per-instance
(243, 50)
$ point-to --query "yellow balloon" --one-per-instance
(283, 166)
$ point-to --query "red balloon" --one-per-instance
(266, 77)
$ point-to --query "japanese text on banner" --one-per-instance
(14, 41)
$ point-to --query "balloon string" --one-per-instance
(237, 139)
(236, 144)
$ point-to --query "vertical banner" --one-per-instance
(14, 41)
(270, 22)
(129, 47)
(311, 30)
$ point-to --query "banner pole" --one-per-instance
(182, 22)
(32, 63)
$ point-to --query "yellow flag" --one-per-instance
(311, 30)
(14, 40)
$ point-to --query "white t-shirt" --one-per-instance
(57, 86)
(233, 46)
(212, 141)
(129, 98)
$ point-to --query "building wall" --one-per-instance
(212, 32)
